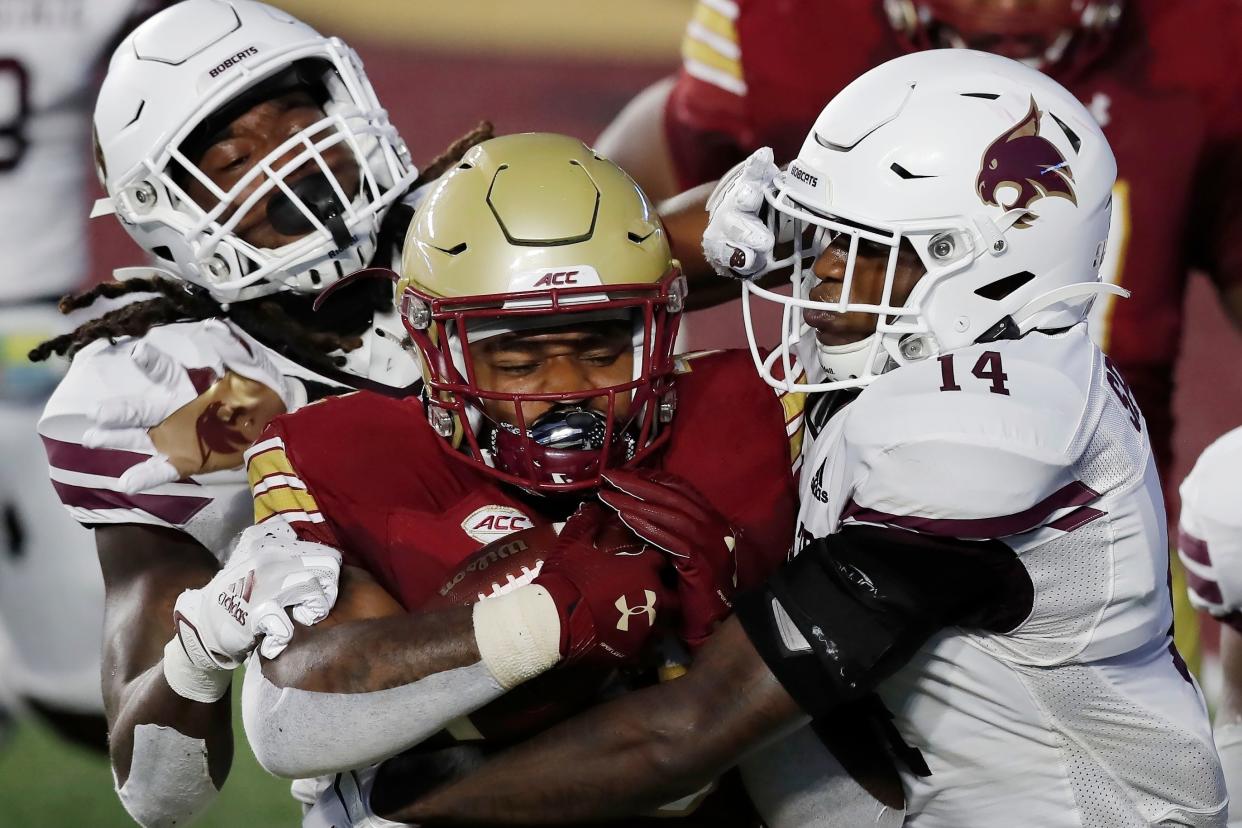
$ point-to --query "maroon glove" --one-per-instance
(607, 585)
(668, 512)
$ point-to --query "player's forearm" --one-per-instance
(630, 755)
(375, 653)
(170, 755)
(148, 700)
(610, 763)
(357, 692)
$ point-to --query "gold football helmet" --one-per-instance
(531, 232)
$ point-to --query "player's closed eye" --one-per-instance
(517, 369)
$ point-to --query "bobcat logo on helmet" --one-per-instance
(1028, 162)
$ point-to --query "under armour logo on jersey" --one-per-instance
(627, 611)
(817, 484)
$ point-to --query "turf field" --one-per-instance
(46, 784)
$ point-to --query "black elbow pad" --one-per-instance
(853, 607)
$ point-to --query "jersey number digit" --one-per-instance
(987, 367)
(14, 110)
(1124, 395)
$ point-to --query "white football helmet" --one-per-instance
(993, 173)
(188, 67)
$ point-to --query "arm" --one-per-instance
(376, 681)
(840, 618)
(366, 683)
(631, 755)
(400, 647)
(637, 142)
(145, 568)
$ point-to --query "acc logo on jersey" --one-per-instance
(488, 523)
(1024, 160)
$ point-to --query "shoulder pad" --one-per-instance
(981, 448)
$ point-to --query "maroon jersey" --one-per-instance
(367, 475)
(1165, 89)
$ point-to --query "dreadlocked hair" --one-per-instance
(266, 319)
(440, 164)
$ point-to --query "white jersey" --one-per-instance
(1082, 715)
(213, 508)
(1210, 531)
(50, 54)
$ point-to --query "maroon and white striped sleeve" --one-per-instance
(1209, 537)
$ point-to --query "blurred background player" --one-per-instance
(539, 287)
(51, 595)
(755, 73)
(1210, 545)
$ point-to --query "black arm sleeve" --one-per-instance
(853, 607)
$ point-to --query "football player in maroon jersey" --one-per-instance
(539, 287)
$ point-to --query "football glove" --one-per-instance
(124, 423)
(738, 242)
(244, 605)
(669, 513)
(607, 587)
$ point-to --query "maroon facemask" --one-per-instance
(572, 444)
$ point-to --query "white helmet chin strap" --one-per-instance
(853, 360)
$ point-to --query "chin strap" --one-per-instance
(1025, 314)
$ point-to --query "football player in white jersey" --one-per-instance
(249, 154)
(982, 531)
(1209, 543)
(50, 52)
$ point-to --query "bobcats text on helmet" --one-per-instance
(181, 76)
(991, 172)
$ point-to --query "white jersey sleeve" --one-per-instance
(1210, 530)
(1034, 442)
(213, 508)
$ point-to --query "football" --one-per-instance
(502, 566)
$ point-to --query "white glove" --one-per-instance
(123, 422)
(737, 242)
(220, 624)
(347, 804)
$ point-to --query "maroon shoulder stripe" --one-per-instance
(1193, 548)
(78, 458)
(174, 509)
(1076, 493)
(1205, 588)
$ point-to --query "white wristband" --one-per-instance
(518, 634)
(188, 680)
